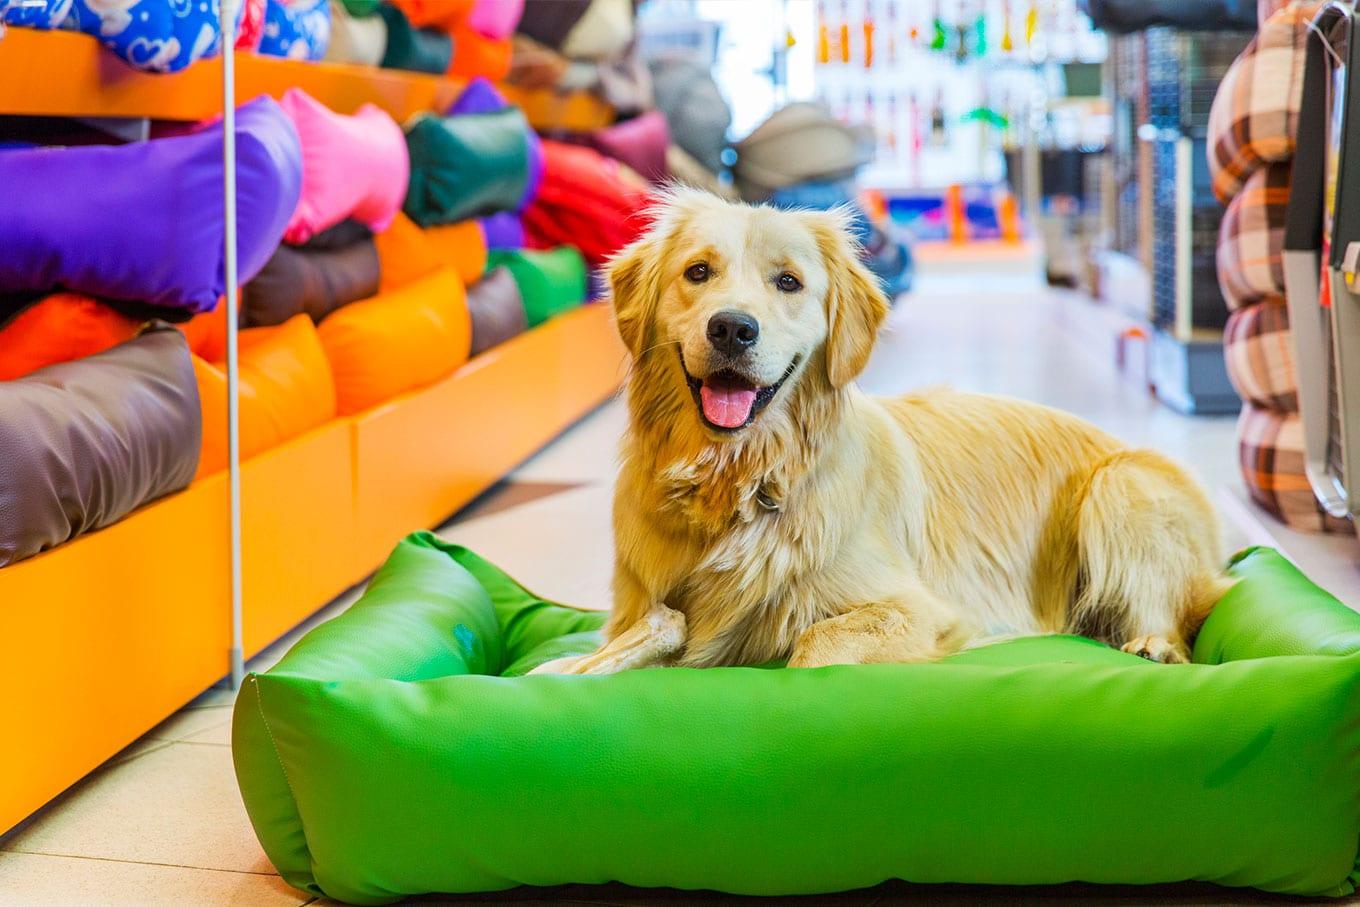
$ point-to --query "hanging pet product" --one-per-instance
(1322, 260)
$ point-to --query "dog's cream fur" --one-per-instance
(837, 528)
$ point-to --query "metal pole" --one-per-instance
(228, 20)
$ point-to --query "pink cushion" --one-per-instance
(352, 167)
(496, 18)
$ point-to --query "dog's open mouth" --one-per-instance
(729, 401)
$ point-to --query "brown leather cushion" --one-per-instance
(84, 443)
(496, 309)
(305, 281)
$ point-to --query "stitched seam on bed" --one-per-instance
(283, 770)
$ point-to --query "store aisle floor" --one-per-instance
(163, 824)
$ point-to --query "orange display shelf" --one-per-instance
(57, 73)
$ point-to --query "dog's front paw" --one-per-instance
(1158, 649)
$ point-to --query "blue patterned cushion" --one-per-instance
(155, 35)
(296, 29)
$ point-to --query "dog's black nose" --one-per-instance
(732, 333)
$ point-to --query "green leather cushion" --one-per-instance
(392, 752)
(550, 282)
(467, 165)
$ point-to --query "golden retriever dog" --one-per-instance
(768, 509)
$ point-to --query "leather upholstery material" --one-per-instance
(550, 283)
(496, 309)
(146, 224)
(285, 391)
(550, 21)
(84, 443)
(413, 49)
(397, 341)
(60, 328)
(466, 166)
(352, 166)
(301, 281)
(394, 751)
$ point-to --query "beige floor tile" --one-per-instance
(187, 723)
(177, 805)
(36, 880)
(586, 452)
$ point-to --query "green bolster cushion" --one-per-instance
(410, 48)
(467, 165)
(550, 282)
(392, 753)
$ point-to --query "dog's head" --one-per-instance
(742, 305)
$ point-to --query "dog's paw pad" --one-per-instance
(1156, 648)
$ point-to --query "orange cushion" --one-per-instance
(397, 341)
(441, 14)
(207, 334)
(60, 328)
(285, 391)
(475, 54)
(405, 254)
(461, 246)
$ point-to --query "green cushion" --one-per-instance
(466, 165)
(410, 48)
(550, 282)
(384, 757)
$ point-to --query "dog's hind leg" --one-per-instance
(913, 626)
(1150, 567)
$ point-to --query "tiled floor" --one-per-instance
(163, 824)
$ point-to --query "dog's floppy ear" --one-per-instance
(855, 304)
(635, 284)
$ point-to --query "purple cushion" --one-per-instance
(503, 231)
(480, 96)
(146, 223)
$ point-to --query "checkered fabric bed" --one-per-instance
(1255, 114)
(1260, 356)
(1251, 238)
(1270, 453)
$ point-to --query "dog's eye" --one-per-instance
(788, 283)
(697, 273)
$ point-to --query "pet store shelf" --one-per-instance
(57, 73)
(318, 514)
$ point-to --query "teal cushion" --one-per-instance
(468, 165)
(388, 754)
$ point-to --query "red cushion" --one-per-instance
(60, 328)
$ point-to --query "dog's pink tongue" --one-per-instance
(727, 406)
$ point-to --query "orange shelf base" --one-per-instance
(421, 457)
(102, 638)
(57, 73)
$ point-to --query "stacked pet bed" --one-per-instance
(586, 200)
(396, 751)
(460, 38)
(1252, 130)
(582, 45)
(89, 441)
(105, 413)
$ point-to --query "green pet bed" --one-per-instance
(394, 751)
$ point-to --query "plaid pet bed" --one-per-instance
(1255, 113)
(1251, 238)
(1260, 356)
(1270, 452)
